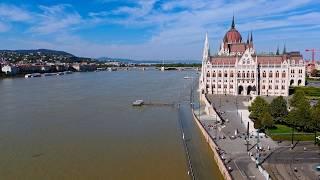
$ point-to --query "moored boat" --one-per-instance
(36, 75)
(28, 76)
(138, 103)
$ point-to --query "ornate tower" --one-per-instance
(205, 58)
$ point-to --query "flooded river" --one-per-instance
(82, 126)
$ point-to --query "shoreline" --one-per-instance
(213, 146)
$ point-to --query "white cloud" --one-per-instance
(176, 34)
(56, 18)
(13, 13)
(4, 27)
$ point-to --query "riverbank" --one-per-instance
(232, 148)
(223, 169)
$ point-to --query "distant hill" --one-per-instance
(149, 61)
(42, 51)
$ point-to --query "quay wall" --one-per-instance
(211, 110)
(223, 169)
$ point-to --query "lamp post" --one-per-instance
(292, 136)
(216, 127)
(248, 137)
(258, 149)
(200, 105)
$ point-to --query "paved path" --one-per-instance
(233, 151)
(277, 159)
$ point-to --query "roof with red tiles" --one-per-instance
(262, 59)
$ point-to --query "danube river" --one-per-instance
(82, 126)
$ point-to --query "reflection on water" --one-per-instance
(82, 126)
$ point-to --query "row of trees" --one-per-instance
(315, 73)
(301, 115)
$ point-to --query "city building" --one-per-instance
(238, 70)
(84, 66)
(9, 69)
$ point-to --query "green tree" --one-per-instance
(315, 116)
(257, 108)
(266, 120)
(300, 116)
(298, 98)
(257, 124)
(314, 73)
(278, 108)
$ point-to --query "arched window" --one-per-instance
(225, 74)
(252, 74)
(208, 74)
(263, 87)
(219, 74)
(214, 74)
(248, 74)
(264, 74)
(299, 82)
(282, 87)
(283, 74)
(239, 74)
(231, 74)
(276, 87)
(270, 87)
(277, 74)
(270, 74)
(243, 74)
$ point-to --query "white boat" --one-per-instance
(60, 73)
(138, 103)
(28, 76)
(36, 75)
(49, 74)
(187, 77)
(112, 69)
(162, 68)
(68, 72)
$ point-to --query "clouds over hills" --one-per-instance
(156, 29)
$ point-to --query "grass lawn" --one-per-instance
(283, 133)
(313, 79)
(309, 91)
(280, 129)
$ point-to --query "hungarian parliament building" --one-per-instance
(237, 69)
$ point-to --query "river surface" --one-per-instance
(82, 126)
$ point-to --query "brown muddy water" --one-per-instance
(82, 126)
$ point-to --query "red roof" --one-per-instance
(223, 60)
(232, 36)
(241, 47)
(270, 59)
(262, 59)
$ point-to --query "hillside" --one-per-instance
(41, 51)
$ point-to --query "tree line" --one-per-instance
(299, 114)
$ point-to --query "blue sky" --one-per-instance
(155, 29)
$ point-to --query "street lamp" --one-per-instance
(258, 149)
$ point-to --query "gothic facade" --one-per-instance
(238, 70)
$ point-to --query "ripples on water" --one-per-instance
(82, 126)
